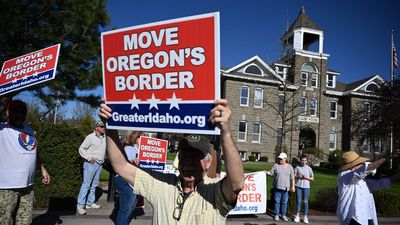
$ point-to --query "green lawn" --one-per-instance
(323, 178)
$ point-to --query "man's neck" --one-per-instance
(188, 186)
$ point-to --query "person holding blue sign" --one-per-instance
(186, 199)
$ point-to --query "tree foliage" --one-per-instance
(58, 149)
(29, 25)
(383, 114)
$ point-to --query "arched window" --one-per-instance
(371, 87)
(309, 67)
(309, 70)
(253, 69)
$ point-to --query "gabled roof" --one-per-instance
(260, 61)
(303, 20)
(355, 86)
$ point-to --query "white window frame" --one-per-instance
(333, 111)
(304, 112)
(261, 100)
(334, 141)
(262, 72)
(241, 96)
(259, 133)
(372, 83)
(304, 81)
(367, 114)
(314, 75)
(333, 80)
(257, 155)
(281, 105)
(241, 132)
(316, 106)
(243, 155)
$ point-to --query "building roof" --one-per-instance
(303, 20)
(356, 84)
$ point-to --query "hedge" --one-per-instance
(58, 149)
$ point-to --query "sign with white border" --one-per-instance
(163, 76)
(29, 69)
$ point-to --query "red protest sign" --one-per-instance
(152, 153)
(163, 76)
(29, 69)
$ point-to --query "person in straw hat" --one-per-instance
(356, 203)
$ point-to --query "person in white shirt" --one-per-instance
(356, 203)
(93, 150)
(304, 175)
(18, 164)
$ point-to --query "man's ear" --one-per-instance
(208, 164)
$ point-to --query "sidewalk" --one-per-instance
(101, 217)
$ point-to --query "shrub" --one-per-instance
(326, 200)
(252, 158)
(263, 159)
(295, 162)
(58, 149)
(387, 203)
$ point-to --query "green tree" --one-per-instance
(375, 123)
(26, 26)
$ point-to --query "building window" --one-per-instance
(244, 96)
(279, 134)
(281, 102)
(313, 106)
(256, 132)
(256, 155)
(332, 141)
(258, 98)
(303, 105)
(371, 87)
(367, 111)
(304, 79)
(314, 80)
(253, 69)
(242, 131)
(333, 109)
(243, 155)
(330, 80)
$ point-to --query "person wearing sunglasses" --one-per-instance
(190, 198)
(93, 150)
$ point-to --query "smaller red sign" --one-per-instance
(29, 69)
(152, 153)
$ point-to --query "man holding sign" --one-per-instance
(186, 199)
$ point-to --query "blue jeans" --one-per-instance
(281, 196)
(127, 201)
(91, 175)
(302, 195)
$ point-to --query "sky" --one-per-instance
(357, 33)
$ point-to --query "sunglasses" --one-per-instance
(180, 201)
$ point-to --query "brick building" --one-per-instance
(297, 100)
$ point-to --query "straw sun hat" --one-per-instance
(351, 159)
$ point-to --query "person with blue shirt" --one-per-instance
(127, 199)
(303, 174)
